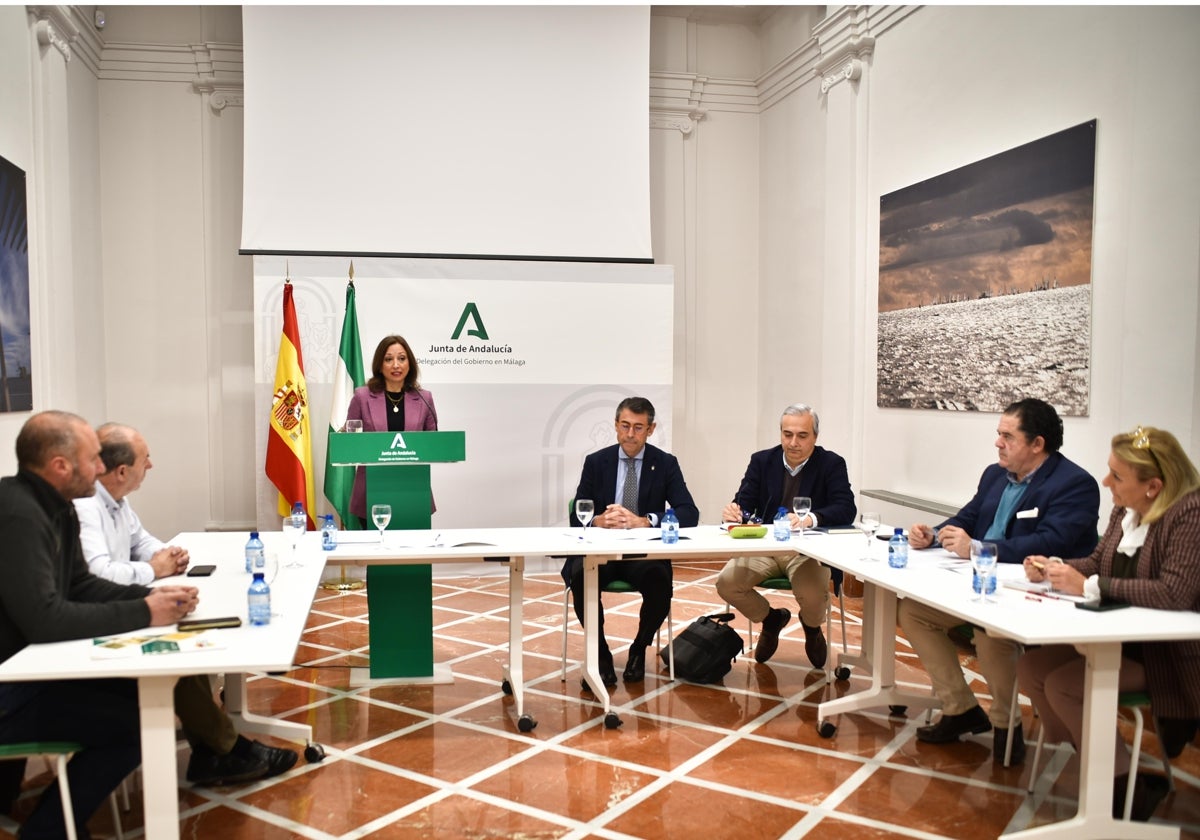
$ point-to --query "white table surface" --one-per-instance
(245, 649)
(1098, 636)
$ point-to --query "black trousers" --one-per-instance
(100, 714)
(651, 578)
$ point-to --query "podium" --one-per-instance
(400, 597)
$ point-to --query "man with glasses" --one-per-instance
(796, 467)
(1032, 501)
(631, 484)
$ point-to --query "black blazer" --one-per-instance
(824, 479)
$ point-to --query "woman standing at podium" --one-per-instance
(391, 401)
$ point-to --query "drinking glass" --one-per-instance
(294, 526)
(869, 523)
(801, 505)
(381, 515)
(354, 425)
(585, 509)
(983, 571)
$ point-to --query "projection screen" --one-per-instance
(482, 131)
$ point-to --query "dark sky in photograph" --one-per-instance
(1011, 222)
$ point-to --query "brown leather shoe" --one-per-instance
(768, 638)
(815, 646)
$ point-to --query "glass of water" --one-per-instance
(801, 506)
(869, 524)
(585, 509)
(983, 571)
(381, 515)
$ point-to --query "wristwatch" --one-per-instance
(653, 518)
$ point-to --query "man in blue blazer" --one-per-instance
(632, 500)
(1032, 501)
(775, 476)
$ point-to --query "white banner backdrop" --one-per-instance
(529, 359)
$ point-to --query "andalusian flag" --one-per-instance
(348, 375)
(289, 441)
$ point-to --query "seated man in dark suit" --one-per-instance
(1033, 501)
(631, 484)
(774, 477)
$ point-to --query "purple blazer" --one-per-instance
(420, 415)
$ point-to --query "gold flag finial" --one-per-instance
(351, 271)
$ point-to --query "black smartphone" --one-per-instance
(209, 623)
(201, 571)
(1101, 606)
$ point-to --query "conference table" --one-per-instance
(513, 545)
(933, 577)
(236, 652)
(940, 579)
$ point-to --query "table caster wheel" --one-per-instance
(526, 723)
(842, 673)
(506, 687)
(897, 711)
(314, 753)
(611, 721)
(826, 729)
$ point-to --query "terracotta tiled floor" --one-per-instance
(741, 759)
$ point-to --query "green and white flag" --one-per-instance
(348, 375)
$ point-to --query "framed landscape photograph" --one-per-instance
(985, 281)
(16, 374)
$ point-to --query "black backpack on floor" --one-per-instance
(705, 651)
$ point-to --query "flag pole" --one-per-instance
(339, 481)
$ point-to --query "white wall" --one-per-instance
(951, 85)
(764, 198)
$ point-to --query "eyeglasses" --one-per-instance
(1141, 440)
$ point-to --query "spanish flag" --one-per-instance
(289, 442)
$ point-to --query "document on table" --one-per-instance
(119, 647)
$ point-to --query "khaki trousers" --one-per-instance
(809, 579)
(925, 628)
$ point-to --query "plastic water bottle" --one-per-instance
(298, 510)
(898, 550)
(329, 533)
(783, 526)
(258, 599)
(256, 557)
(670, 527)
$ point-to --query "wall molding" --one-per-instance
(55, 27)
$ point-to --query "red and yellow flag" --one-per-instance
(289, 441)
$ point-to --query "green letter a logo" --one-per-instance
(479, 331)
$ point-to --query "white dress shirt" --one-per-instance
(115, 545)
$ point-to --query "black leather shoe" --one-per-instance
(814, 645)
(608, 676)
(635, 665)
(768, 637)
(207, 768)
(277, 760)
(1148, 793)
(1000, 744)
(950, 727)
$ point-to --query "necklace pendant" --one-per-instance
(395, 409)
